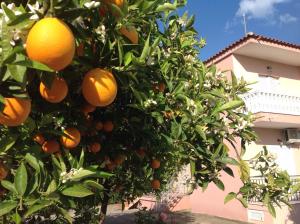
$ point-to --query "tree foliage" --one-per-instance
(169, 107)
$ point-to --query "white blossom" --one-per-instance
(182, 22)
(101, 32)
(92, 4)
(150, 102)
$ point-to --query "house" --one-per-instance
(274, 67)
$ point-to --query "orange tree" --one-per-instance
(108, 99)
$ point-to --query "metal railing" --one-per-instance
(260, 101)
(293, 198)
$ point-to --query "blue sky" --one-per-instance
(220, 21)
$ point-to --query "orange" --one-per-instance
(108, 126)
(119, 159)
(3, 171)
(99, 126)
(88, 108)
(95, 147)
(51, 42)
(51, 146)
(57, 92)
(141, 152)
(71, 138)
(159, 87)
(110, 166)
(119, 3)
(155, 184)
(155, 164)
(131, 33)
(99, 87)
(15, 111)
(39, 138)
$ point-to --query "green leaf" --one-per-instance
(17, 218)
(19, 19)
(39, 206)
(9, 186)
(243, 202)
(32, 161)
(219, 184)
(229, 171)
(229, 106)
(7, 206)
(18, 72)
(146, 49)
(128, 58)
(9, 13)
(93, 184)
(229, 197)
(21, 180)
(7, 142)
(77, 190)
(33, 64)
(81, 159)
(271, 209)
(52, 187)
(83, 173)
(244, 170)
(165, 7)
(66, 215)
(199, 129)
(190, 22)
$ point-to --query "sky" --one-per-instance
(220, 22)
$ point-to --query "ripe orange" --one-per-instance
(141, 152)
(108, 126)
(99, 87)
(39, 138)
(119, 3)
(71, 138)
(130, 33)
(119, 159)
(51, 42)
(15, 111)
(3, 171)
(99, 126)
(155, 184)
(57, 92)
(88, 108)
(51, 146)
(95, 147)
(155, 164)
(159, 87)
(111, 166)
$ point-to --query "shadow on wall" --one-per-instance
(295, 214)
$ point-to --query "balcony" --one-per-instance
(273, 110)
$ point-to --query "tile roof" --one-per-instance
(245, 39)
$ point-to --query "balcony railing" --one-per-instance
(260, 101)
(293, 198)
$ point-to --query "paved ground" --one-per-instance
(175, 218)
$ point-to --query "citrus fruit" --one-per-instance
(51, 42)
(95, 147)
(99, 87)
(119, 159)
(131, 33)
(3, 171)
(155, 164)
(155, 184)
(99, 126)
(141, 152)
(71, 138)
(88, 108)
(15, 111)
(51, 146)
(57, 92)
(108, 126)
(119, 3)
(39, 138)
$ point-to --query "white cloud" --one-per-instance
(287, 18)
(258, 9)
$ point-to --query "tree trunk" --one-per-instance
(104, 207)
